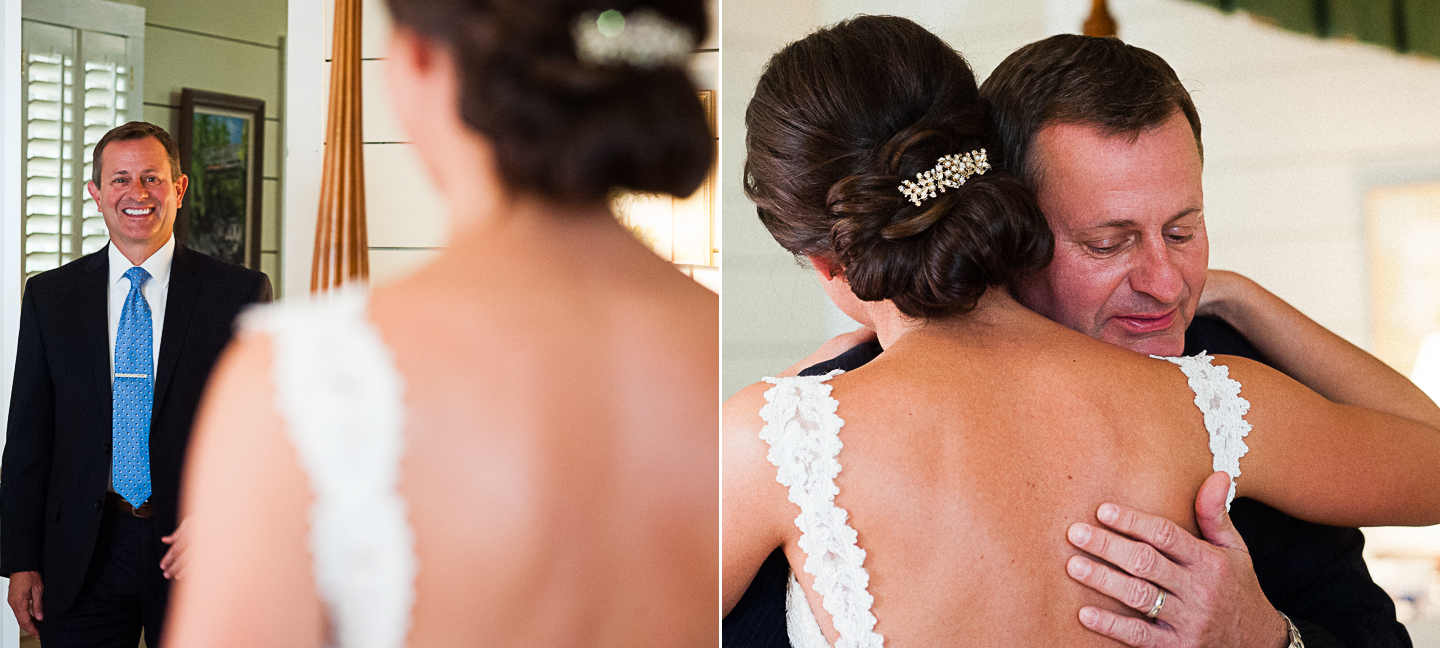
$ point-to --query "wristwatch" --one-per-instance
(1294, 632)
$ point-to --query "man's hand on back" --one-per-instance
(1212, 596)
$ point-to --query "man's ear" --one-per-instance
(826, 268)
(181, 184)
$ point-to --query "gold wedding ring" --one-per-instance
(1159, 603)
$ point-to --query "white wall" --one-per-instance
(1296, 129)
(771, 309)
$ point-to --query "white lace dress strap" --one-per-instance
(340, 396)
(1218, 397)
(804, 436)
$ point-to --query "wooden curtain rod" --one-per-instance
(1100, 22)
(342, 248)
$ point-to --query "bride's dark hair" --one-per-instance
(839, 119)
(562, 129)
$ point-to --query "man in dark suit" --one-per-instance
(99, 422)
(1109, 140)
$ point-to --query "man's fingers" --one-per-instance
(1125, 629)
(1211, 515)
(1153, 530)
(176, 568)
(23, 613)
(1137, 558)
(28, 625)
(37, 601)
(25, 597)
(1137, 593)
(173, 563)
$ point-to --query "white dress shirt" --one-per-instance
(155, 290)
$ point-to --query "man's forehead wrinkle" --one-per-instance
(150, 169)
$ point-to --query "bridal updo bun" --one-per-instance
(839, 119)
(562, 128)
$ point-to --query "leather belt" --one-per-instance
(115, 502)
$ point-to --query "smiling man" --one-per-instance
(114, 351)
(1109, 140)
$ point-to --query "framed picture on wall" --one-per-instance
(222, 144)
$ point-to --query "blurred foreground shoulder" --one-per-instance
(252, 549)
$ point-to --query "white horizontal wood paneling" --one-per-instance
(380, 124)
(402, 206)
(374, 28)
(388, 266)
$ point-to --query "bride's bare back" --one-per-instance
(970, 447)
(963, 514)
(560, 463)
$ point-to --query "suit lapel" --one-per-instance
(179, 306)
(94, 320)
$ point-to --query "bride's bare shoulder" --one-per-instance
(740, 415)
(252, 547)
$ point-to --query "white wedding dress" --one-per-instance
(341, 398)
(803, 431)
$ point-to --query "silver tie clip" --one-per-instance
(120, 375)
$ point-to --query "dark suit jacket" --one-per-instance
(1311, 572)
(56, 465)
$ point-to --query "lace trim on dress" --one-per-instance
(341, 397)
(1218, 397)
(804, 436)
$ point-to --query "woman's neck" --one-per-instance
(534, 238)
(891, 324)
(522, 211)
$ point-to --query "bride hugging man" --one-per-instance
(1009, 478)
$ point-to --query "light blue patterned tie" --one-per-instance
(133, 393)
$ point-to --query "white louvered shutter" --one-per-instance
(77, 87)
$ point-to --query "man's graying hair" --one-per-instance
(1071, 79)
(133, 131)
